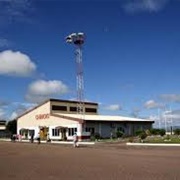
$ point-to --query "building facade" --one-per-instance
(58, 120)
(2, 128)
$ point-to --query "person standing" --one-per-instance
(38, 138)
(32, 137)
(48, 138)
(75, 140)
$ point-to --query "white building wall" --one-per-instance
(29, 119)
(31, 122)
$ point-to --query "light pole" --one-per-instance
(77, 39)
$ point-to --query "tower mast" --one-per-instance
(77, 39)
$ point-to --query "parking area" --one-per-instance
(26, 161)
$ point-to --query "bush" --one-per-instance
(139, 132)
(119, 134)
(97, 136)
(154, 131)
(148, 132)
(143, 135)
(177, 131)
(162, 132)
(168, 137)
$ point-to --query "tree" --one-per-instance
(161, 132)
(12, 126)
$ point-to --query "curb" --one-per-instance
(151, 144)
(52, 142)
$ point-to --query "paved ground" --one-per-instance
(25, 161)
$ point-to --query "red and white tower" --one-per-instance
(77, 39)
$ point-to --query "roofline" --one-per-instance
(83, 120)
(124, 118)
(26, 112)
(147, 121)
(72, 101)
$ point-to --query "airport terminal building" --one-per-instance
(59, 120)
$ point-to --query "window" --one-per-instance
(92, 110)
(90, 129)
(73, 108)
(72, 131)
(55, 132)
(59, 108)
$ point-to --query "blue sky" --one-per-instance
(131, 55)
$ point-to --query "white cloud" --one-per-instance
(4, 103)
(151, 104)
(133, 6)
(135, 112)
(41, 90)
(20, 108)
(170, 97)
(44, 88)
(113, 107)
(16, 64)
(14, 115)
(2, 113)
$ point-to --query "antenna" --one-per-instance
(77, 39)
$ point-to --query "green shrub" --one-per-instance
(154, 131)
(162, 132)
(119, 134)
(97, 136)
(177, 131)
(139, 132)
(143, 135)
(168, 137)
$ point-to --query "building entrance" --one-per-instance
(44, 132)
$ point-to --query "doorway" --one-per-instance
(44, 132)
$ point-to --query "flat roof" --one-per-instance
(88, 117)
(72, 101)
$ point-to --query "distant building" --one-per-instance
(58, 119)
(2, 125)
(2, 128)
